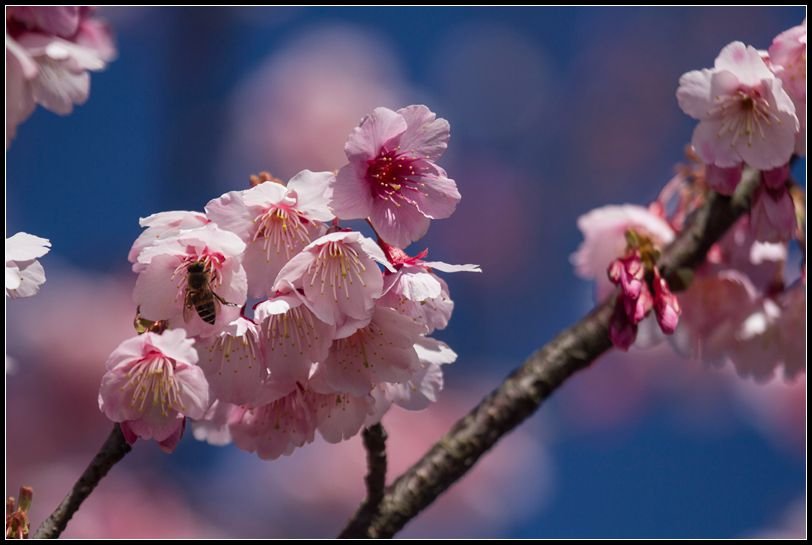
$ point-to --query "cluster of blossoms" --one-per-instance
(340, 325)
(49, 51)
(739, 305)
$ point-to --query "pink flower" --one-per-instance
(275, 222)
(48, 53)
(604, 231)
(382, 351)
(788, 61)
(666, 305)
(294, 339)
(424, 386)
(163, 225)
(24, 274)
(415, 291)
(234, 363)
(280, 426)
(772, 216)
(339, 279)
(745, 114)
(152, 383)
(724, 180)
(392, 178)
(163, 290)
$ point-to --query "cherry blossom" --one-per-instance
(163, 225)
(744, 113)
(234, 363)
(49, 51)
(788, 60)
(392, 177)
(415, 291)
(152, 384)
(275, 222)
(24, 274)
(294, 339)
(424, 386)
(604, 231)
(278, 427)
(382, 351)
(162, 290)
(339, 279)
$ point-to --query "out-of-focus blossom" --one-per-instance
(152, 383)
(49, 51)
(234, 363)
(392, 177)
(283, 115)
(744, 113)
(382, 351)
(275, 222)
(773, 214)
(277, 428)
(293, 337)
(167, 289)
(724, 180)
(339, 278)
(415, 291)
(163, 225)
(788, 61)
(24, 274)
(604, 231)
(213, 426)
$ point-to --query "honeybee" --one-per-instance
(199, 295)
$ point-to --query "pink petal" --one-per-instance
(313, 193)
(351, 197)
(745, 62)
(694, 93)
(25, 247)
(398, 226)
(425, 135)
(340, 416)
(376, 130)
(194, 390)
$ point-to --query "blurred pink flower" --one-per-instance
(788, 61)
(152, 383)
(49, 51)
(773, 214)
(339, 278)
(24, 274)
(162, 288)
(392, 178)
(743, 111)
(275, 222)
(283, 116)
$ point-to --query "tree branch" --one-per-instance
(113, 450)
(530, 385)
(375, 444)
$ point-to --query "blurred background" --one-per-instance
(554, 111)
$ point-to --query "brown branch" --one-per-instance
(530, 385)
(113, 450)
(375, 445)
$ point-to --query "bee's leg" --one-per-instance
(223, 301)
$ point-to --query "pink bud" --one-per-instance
(666, 305)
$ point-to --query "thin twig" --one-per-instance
(530, 385)
(375, 445)
(113, 450)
